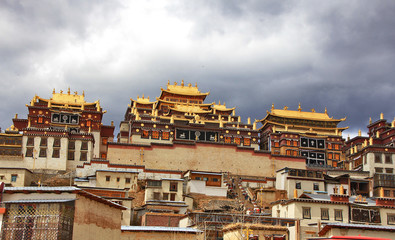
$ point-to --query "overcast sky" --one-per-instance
(249, 54)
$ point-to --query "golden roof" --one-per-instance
(66, 98)
(187, 108)
(313, 115)
(222, 107)
(184, 90)
(142, 100)
(197, 104)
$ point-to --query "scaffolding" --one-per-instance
(34, 221)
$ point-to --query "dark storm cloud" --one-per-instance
(332, 54)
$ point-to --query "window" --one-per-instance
(288, 152)
(56, 142)
(84, 145)
(389, 170)
(337, 156)
(276, 144)
(108, 178)
(30, 141)
(330, 155)
(43, 152)
(84, 156)
(197, 178)
(324, 214)
(377, 158)
(215, 179)
(165, 135)
(40, 119)
(43, 142)
(316, 187)
(288, 143)
(14, 177)
(127, 180)
(298, 185)
(247, 142)
(173, 186)
(338, 215)
(155, 134)
(172, 196)
(71, 144)
(165, 196)
(378, 170)
(70, 155)
(29, 152)
(387, 193)
(205, 179)
(306, 212)
(118, 179)
(295, 143)
(145, 134)
(228, 140)
(237, 141)
(56, 153)
(390, 219)
(154, 183)
(388, 158)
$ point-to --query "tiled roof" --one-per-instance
(159, 229)
(355, 226)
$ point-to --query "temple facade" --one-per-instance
(375, 153)
(312, 135)
(60, 133)
(180, 114)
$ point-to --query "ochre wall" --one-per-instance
(135, 235)
(203, 157)
(95, 220)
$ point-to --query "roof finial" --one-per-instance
(272, 106)
(326, 111)
(299, 108)
(53, 92)
(182, 82)
(175, 83)
(219, 102)
(83, 93)
(138, 96)
(312, 110)
(224, 103)
(189, 85)
(285, 108)
(168, 82)
(359, 132)
(381, 116)
(143, 95)
(68, 91)
(196, 84)
(370, 120)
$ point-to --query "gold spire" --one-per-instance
(299, 108)
(68, 91)
(370, 120)
(313, 110)
(168, 82)
(285, 108)
(53, 91)
(381, 116)
(83, 93)
(272, 106)
(196, 84)
(182, 82)
(254, 125)
(248, 120)
(326, 111)
(16, 116)
(359, 132)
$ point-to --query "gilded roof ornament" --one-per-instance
(359, 132)
(189, 85)
(313, 110)
(299, 108)
(326, 111)
(175, 83)
(285, 108)
(53, 91)
(168, 82)
(381, 116)
(272, 106)
(68, 91)
(370, 120)
(182, 82)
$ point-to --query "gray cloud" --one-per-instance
(332, 54)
